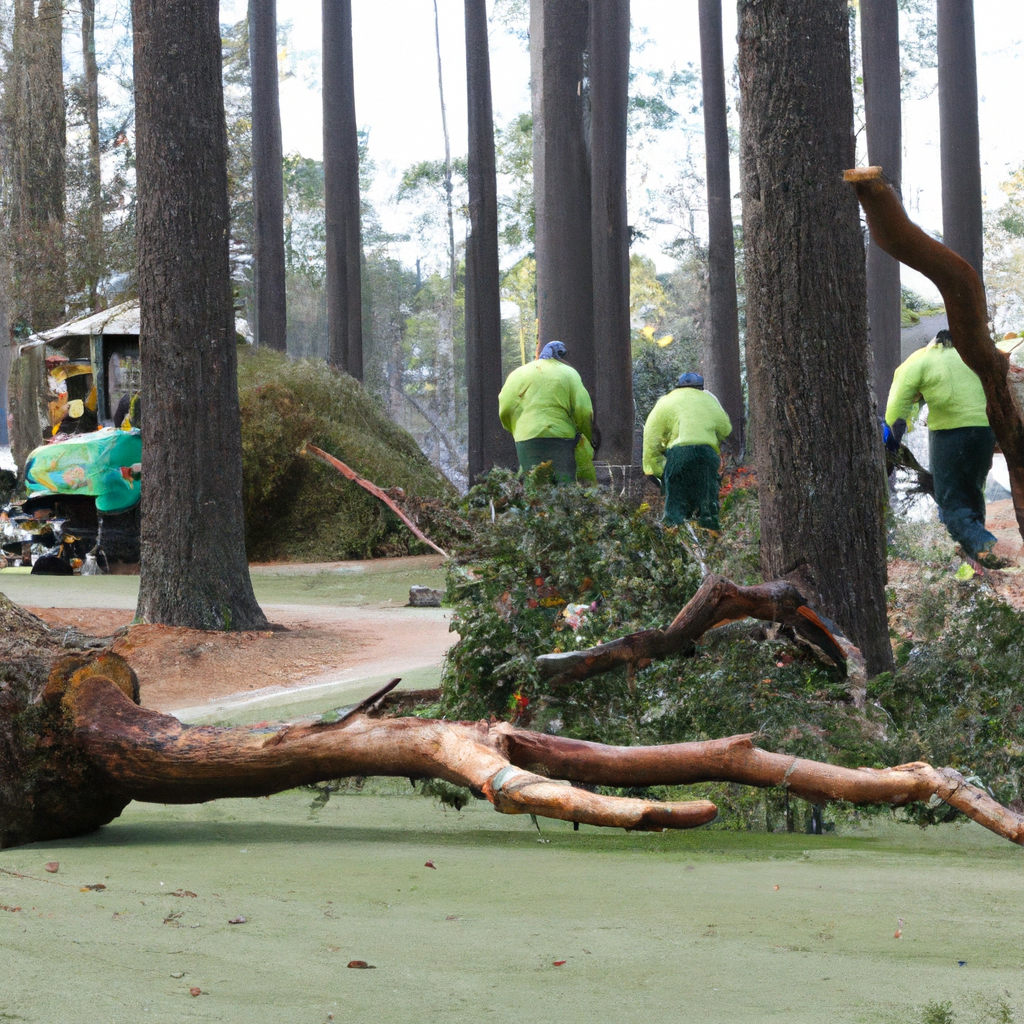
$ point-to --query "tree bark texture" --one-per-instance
(267, 178)
(94, 264)
(489, 443)
(75, 749)
(193, 566)
(341, 192)
(722, 348)
(819, 454)
(966, 309)
(565, 291)
(959, 141)
(36, 130)
(880, 45)
(609, 96)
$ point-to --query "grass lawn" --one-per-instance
(706, 926)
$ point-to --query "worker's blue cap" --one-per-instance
(690, 380)
(552, 350)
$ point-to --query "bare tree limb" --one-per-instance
(377, 492)
(93, 750)
(717, 602)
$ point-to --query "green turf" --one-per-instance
(653, 928)
(348, 583)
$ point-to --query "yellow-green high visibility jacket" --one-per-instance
(683, 416)
(937, 375)
(545, 398)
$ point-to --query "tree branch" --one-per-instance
(717, 602)
(966, 309)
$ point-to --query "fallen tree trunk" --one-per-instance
(718, 601)
(75, 749)
(966, 309)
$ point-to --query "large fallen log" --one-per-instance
(966, 309)
(75, 749)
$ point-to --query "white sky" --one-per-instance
(397, 98)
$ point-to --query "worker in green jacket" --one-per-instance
(546, 408)
(681, 451)
(960, 441)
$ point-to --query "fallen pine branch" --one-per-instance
(372, 488)
(76, 750)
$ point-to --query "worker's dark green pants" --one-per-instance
(690, 483)
(960, 462)
(559, 451)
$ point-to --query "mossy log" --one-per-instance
(966, 309)
(76, 748)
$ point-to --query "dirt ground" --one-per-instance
(358, 626)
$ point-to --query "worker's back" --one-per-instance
(684, 416)
(545, 398)
(937, 375)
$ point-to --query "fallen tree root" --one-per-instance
(76, 750)
(718, 601)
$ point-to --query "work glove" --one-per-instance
(655, 480)
(892, 436)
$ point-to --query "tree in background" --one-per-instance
(488, 444)
(609, 97)
(193, 568)
(561, 181)
(270, 327)
(722, 351)
(821, 480)
(959, 140)
(36, 130)
(93, 264)
(880, 45)
(341, 192)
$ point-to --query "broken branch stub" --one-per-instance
(75, 748)
(966, 310)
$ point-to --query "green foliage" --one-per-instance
(956, 698)
(937, 1013)
(298, 508)
(549, 546)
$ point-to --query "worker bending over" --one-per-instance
(546, 408)
(681, 439)
(960, 441)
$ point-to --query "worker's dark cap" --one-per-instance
(552, 350)
(690, 380)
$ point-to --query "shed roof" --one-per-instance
(123, 318)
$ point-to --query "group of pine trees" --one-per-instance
(807, 292)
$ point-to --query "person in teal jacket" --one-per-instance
(546, 408)
(960, 441)
(681, 451)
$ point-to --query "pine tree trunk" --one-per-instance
(722, 349)
(489, 443)
(37, 140)
(880, 43)
(561, 163)
(819, 456)
(959, 142)
(194, 570)
(267, 178)
(341, 192)
(94, 244)
(609, 89)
